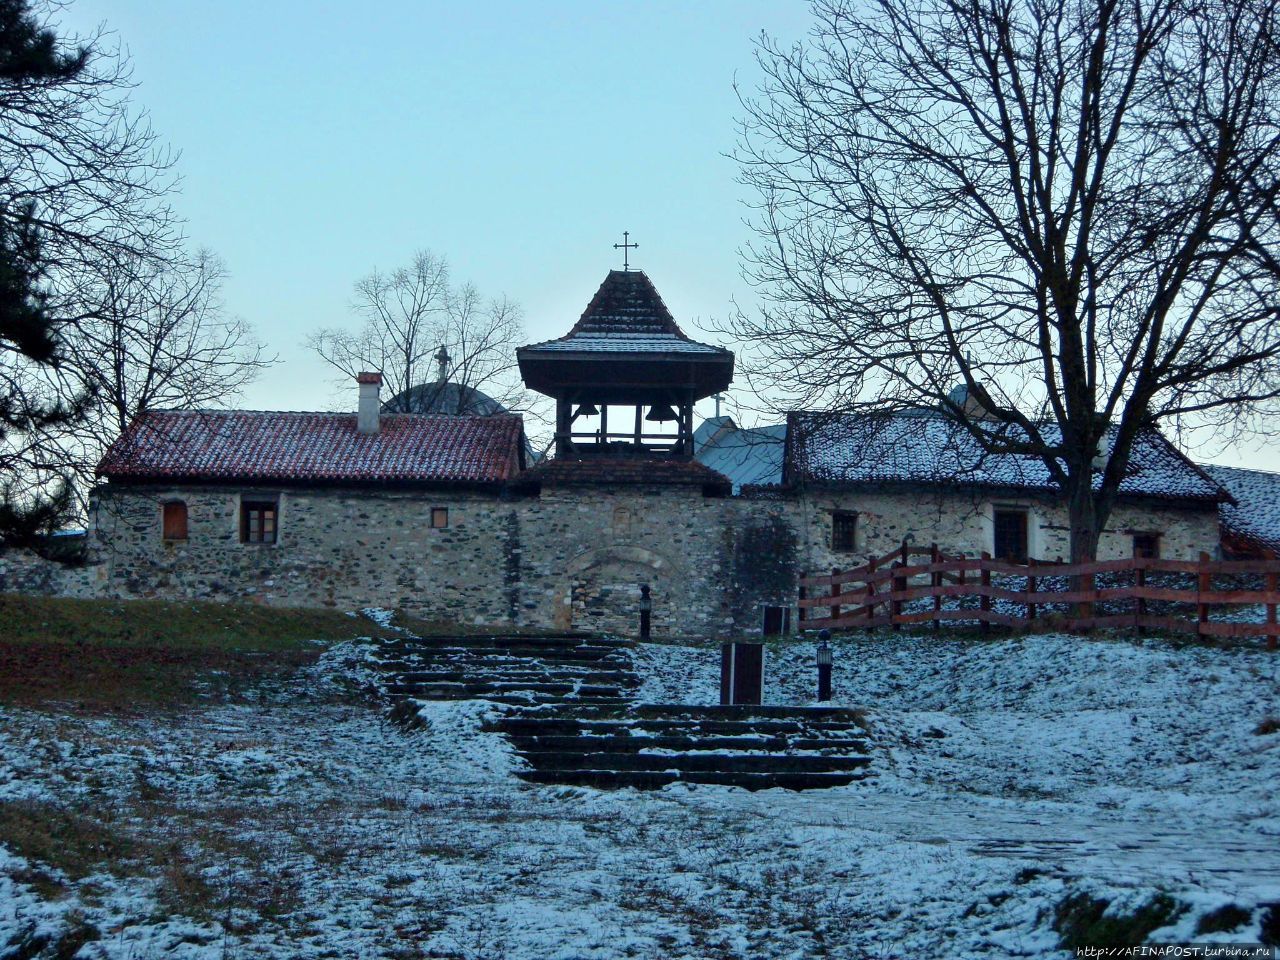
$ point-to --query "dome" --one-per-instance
(449, 398)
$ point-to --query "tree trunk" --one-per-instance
(1085, 522)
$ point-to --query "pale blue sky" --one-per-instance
(519, 139)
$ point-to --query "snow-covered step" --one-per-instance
(515, 669)
(695, 760)
(626, 742)
(656, 779)
(651, 745)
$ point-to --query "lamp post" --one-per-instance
(824, 665)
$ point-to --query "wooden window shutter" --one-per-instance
(175, 520)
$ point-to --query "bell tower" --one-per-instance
(626, 377)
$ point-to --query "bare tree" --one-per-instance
(82, 174)
(153, 334)
(1068, 207)
(409, 315)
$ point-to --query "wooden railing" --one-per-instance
(895, 590)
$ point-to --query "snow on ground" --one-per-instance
(1008, 773)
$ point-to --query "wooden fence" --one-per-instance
(910, 585)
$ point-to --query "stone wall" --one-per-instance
(962, 523)
(568, 558)
(22, 571)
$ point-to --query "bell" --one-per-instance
(661, 412)
(586, 410)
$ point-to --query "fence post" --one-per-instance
(984, 602)
(871, 590)
(1031, 588)
(835, 592)
(906, 553)
(897, 585)
(1272, 584)
(803, 596)
(1204, 583)
(1140, 611)
(935, 557)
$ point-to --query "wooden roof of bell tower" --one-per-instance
(625, 350)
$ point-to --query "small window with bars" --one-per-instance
(259, 521)
(844, 530)
(1146, 546)
(1010, 535)
(174, 520)
(439, 518)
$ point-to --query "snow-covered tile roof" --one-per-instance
(922, 448)
(626, 315)
(1255, 516)
(249, 445)
(624, 343)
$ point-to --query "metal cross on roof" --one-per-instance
(626, 248)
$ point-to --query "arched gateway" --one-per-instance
(605, 587)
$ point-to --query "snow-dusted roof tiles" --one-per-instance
(1255, 516)
(248, 445)
(916, 448)
(626, 315)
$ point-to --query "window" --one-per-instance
(258, 521)
(844, 528)
(439, 518)
(175, 520)
(1010, 540)
(1146, 545)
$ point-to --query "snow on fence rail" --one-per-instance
(1136, 592)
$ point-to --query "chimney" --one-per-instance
(367, 412)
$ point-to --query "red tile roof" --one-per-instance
(248, 445)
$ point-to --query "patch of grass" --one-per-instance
(75, 844)
(1268, 725)
(186, 625)
(66, 840)
(78, 845)
(1223, 920)
(114, 654)
(1082, 921)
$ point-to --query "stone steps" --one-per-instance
(504, 658)
(647, 746)
(635, 744)
(478, 689)
(614, 677)
(699, 761)
(654, 779)
(573, 724)
(577, 726)
(511, 669)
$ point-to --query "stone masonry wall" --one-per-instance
(569, 558)
(345, 548)
(963, 524)
(22, 571)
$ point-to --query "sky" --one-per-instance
(518, 139)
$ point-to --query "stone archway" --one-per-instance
(604, 589)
